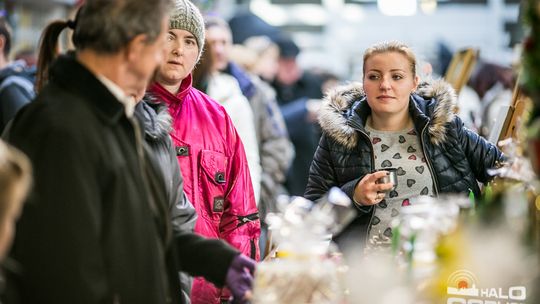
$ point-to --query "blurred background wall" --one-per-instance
(334, 33)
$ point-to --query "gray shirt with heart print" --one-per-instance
(401, 150)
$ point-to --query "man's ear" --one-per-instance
(135, 47)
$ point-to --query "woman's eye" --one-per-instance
(373, 77)
(170, 38)
(397, 77)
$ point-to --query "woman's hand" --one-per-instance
(368, 191)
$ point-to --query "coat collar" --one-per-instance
(345, 109)
(71, 75)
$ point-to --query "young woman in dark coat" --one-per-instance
(390, 120)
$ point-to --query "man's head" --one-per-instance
(131, 30)
(218, 34)
(288, 70)
(107, 26)
(185, 42)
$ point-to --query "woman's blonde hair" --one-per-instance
(15, 175)
(391, 46)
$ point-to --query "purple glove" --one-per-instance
(239, 278)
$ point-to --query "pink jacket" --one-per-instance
(216, 176)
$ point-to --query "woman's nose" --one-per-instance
(385, 84)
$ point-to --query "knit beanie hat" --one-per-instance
(186, 16)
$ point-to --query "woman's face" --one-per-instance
(182, 53)
(388, 82)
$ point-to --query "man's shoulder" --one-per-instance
(17, 74)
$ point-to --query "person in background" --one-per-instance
(276, 150)
(390, 120)
(209, 150)
(275, 147)
(494, 85)
(15, 181)
(298, 93)
(16, 79)
(97, 227)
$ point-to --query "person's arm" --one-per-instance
(481, 154)
(59, 235)
(322, 177)
(199, 256)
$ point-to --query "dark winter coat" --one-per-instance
(456, 157)
(96, 228)
(156, 122)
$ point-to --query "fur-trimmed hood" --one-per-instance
(435, 100)
(155, 117)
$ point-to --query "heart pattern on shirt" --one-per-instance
(419, 169)
(401, 172)
(410, 182)
(393, 193)
(394, 212)
(388, 232)
(412, 157)
(402, 139)
(405, 202)
(410, 149)
(383, 204)
(375, 221)
(376, 140)
(424, 191)
(386, 164)
(396, 156)
(412, 132)
(384, 147)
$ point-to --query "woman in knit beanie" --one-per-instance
(211, 157)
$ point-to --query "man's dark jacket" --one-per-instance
(96, 227)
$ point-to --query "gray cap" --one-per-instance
(186, 16)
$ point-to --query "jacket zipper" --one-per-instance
(242, 220)
(428, 161)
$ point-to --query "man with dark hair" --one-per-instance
(16, 80)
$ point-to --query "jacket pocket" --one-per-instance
(213, 181)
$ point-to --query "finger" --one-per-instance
(384, 187)
(251, 266)
(375, 176)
